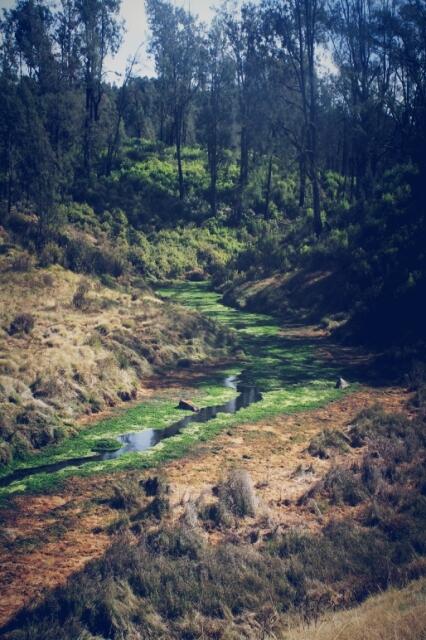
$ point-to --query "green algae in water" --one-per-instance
(285, 369)
(273, 359)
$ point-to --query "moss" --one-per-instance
(106, 445)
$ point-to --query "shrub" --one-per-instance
(237, 494)
(373, 422)
(44, 386)
(419, 399)
(153, 486)
(344, 487)
(22, 323)
(47, 280)
(51, 253)
(106, 261)
(125, 496)
(20, 445)
(159, 490)
(5, 453)
(79, 299)
(79, 256)
(327, 440)
(340, 486)
(105, 445)
(23, 262)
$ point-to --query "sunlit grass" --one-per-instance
(286, 370)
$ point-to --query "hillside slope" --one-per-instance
(71, 346)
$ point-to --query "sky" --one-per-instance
(133, 12)
(136, 35)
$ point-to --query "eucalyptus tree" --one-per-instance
(100, 34)
(176, 42)
(408, 104)
(365, 68)
(241, 26)
(296, 27)
(215, 117)
(29, 75)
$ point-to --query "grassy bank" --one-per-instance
(287, 370)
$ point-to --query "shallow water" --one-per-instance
(140, 441)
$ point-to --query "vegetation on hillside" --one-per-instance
(244, 156)
(84, 348)
(274, 162)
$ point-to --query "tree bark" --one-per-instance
(302, 180)
(310, 16)
(268, 188)
(178, 125)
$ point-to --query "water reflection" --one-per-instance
(145, 440)
(148, 438)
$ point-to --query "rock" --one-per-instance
(187, 405)
(342, 384)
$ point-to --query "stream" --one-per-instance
(283, 372)
(146, 439)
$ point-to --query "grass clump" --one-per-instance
(106, 445)
(23, 323)
(126, 496)
(343, 486)
(80, 300)
(328, 442)
(23, 262)
(237, 495)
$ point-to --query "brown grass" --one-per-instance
(275, 455)
(85, 357)
(394, 615)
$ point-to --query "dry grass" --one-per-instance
(394, 615)
(82, 358)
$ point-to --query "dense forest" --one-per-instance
(212, 321)
(298, 124)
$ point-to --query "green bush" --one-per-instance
(80, 300)
(51, 253)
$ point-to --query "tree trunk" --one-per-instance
(178, 125)
(213, 190)
(244, 158)
(302, 180)
(9, 171)
(268, 188)
(213, 176)
(317, 205)
(313, 134)
(113, 147)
